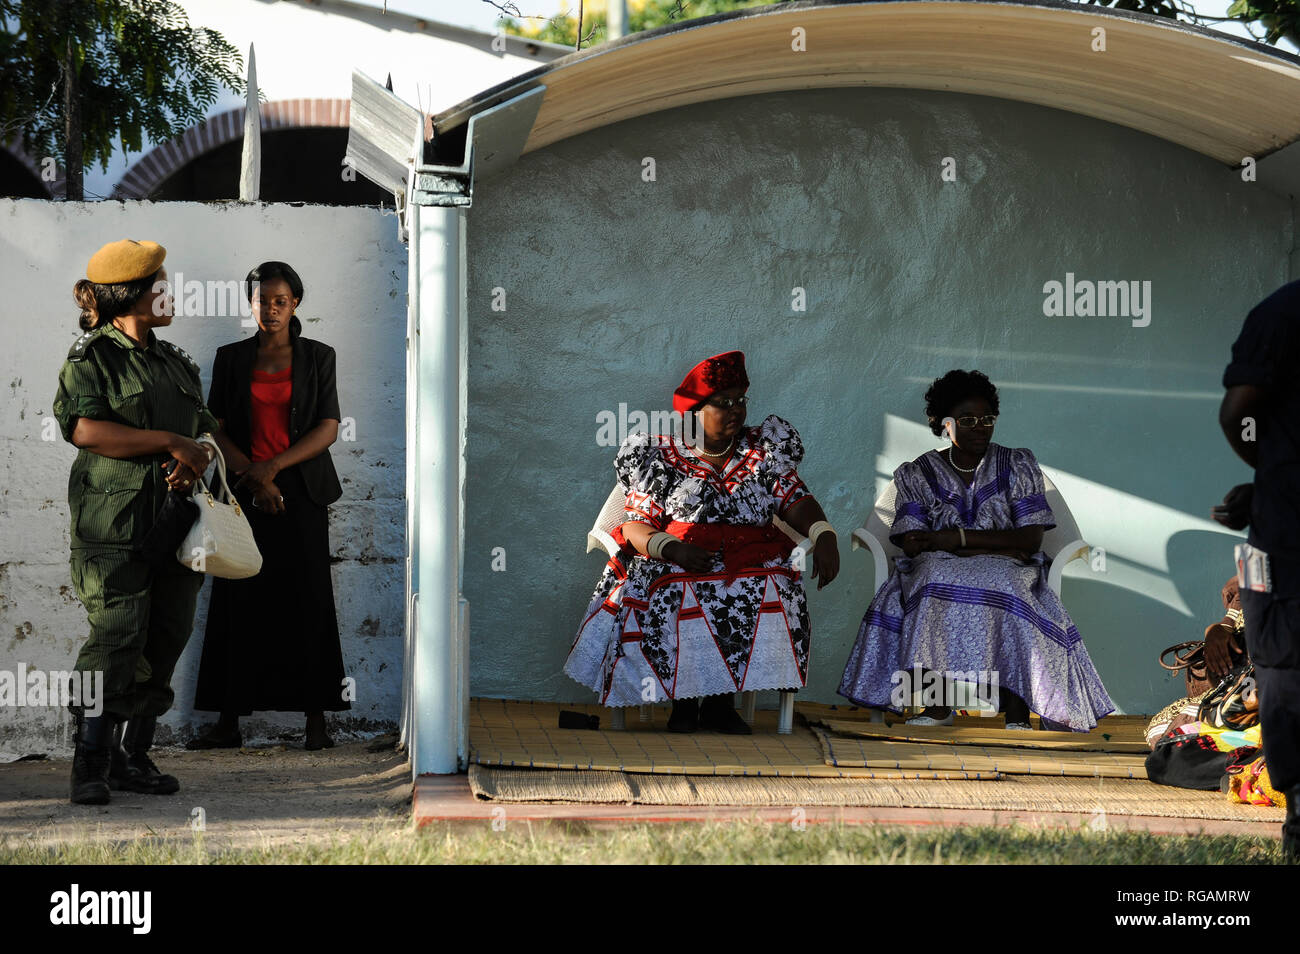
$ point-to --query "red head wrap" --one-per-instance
(719, 373)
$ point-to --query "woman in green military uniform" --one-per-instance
(132, 404)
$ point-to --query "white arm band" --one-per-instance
(817, 529)
(655, 545)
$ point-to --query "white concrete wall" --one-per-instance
(354, 272)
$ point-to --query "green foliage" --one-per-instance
(654, 14)
(141, 69)
(1279, 18)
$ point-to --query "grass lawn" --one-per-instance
(522, 842)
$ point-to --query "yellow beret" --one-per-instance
(125, 261)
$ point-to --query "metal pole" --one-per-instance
(437, 271)
(408, 733)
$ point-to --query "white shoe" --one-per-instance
(929, 720)
(1020, 726)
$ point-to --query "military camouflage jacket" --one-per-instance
(109, 377)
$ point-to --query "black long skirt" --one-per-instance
(272, 640)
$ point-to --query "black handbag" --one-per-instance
(175, 517)
(1187, 761)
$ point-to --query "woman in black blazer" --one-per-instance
(272, 641)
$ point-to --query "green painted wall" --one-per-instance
(614, 286)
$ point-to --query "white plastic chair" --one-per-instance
(600, 536)
(1062, 543)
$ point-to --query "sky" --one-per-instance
(473, 13)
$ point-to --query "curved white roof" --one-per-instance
(1218, 95)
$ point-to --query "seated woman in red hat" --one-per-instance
(704, 600)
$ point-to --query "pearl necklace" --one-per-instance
(961, 469)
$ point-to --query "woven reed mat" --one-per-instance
(527, 735)
(1104, 738)
(1013, 793)
(846, 752)
(1129, 728)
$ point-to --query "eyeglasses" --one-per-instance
(728, 403)
(971, 420)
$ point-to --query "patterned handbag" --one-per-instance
(1234, 703)
(1249, 782)
(221, 542)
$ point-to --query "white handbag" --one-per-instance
(221, 542)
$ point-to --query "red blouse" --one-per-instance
(270, 407)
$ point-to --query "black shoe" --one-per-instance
(216, 738)
(1291, 827)
(132, 770)
(719, 714)
(317, 736)
(685, 716)
(91, 760)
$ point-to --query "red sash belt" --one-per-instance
(743, 546)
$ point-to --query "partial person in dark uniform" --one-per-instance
(272, 641)
(132, 404)
(1260, 417)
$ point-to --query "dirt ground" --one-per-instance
(248, 797)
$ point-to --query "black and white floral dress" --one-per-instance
(654, 631)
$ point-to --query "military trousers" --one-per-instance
(141, 616)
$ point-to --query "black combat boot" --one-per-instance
(90, 761)
(132, 769)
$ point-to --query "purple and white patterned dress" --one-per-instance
(654, 631)
(984, 613)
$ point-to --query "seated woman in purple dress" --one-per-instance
(970, 594)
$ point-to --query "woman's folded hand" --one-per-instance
(689, 557)
(261, 474)
(180, 477)
(916, 542)
(189, 452)
(268, 499)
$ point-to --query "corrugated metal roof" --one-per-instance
(383, 133)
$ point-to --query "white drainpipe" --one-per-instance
(437, 263)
